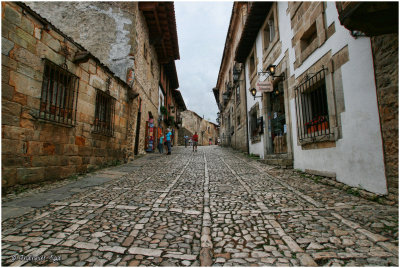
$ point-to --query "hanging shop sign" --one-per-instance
(264, 86)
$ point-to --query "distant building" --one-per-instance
(191, 123)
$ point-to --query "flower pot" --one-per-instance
(317, 127)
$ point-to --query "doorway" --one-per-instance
(277, 121)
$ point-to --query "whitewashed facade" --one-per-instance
(352, 150)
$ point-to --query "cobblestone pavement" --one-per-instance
(214, 207)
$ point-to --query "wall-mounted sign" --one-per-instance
(264, 86)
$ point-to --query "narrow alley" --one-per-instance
(214, 207)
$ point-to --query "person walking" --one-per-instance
(168, 140)
(195, 139)
(186, 140)
(161, 144)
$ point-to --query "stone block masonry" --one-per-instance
(126, 45)
(34, 149)
(386, 53)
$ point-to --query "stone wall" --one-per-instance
(116, 33)
(193, 122)
(86, 23)
(385, 52)
(34, 149)
(147, 74)
(309, 29)
(182, 133)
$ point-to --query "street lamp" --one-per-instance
(253, 92)
(271, 69)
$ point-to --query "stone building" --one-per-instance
(315, 102)
(104, 106)
(60, 115)
(191, 123)
(140, 46)
(171, 104)
(230, 92)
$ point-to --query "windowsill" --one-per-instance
(317, 139)
(41, 120)
(99, 132)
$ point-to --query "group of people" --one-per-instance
(165, 140)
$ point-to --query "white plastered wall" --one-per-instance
(255, 148)
(357, 158)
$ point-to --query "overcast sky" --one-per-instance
(202, 28)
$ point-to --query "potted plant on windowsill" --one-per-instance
(163, 110)
(318, 123)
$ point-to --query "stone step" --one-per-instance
(284, 163)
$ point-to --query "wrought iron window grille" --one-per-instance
(58, 102)
(104, 113)
(312, 112)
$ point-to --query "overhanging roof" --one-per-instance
(255, 19)
(216, 94)
(372, 18)
(170, 70)
(160, 19)
(176, 94)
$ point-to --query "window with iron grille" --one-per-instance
(104, 113)
(59, 94)
(312, 108)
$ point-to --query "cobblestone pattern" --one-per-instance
(213, 207)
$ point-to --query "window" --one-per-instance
(238, 120)
(308, 37)
(252, 65)
(104, 114)
(59, 94)
(269, 32)
(253, 123)
(237, 94)
(312, 108)
(256, 124)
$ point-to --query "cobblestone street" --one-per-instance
(214, 207)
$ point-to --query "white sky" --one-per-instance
(202, 29)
